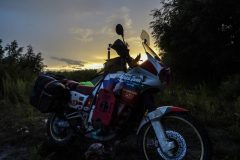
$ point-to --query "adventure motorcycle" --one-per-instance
(120, 100)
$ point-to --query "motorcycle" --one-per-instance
(121, 100)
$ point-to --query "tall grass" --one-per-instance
(15, 110)
(15, 90)
(217, 107)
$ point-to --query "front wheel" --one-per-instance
(59, 131)
(190, 140)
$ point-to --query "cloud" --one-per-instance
(121, 16)
(70, 61)
(136, 41)
(107, 30)
(82, 34)
(53, 7)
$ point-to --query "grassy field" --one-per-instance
(23, 134)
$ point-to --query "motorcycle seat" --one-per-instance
(84, 89)
(75, 86)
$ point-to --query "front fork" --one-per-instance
(154, 118)
(165, 144)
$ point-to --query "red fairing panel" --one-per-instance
(104, 107)
(177, 109)
(147, 65)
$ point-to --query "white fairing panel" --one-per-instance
(78, 100)
(148, 78)
(113, 75)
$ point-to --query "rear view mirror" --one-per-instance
(145, 37)
(119, 30)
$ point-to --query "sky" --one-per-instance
(73, 34)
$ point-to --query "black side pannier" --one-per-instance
(48, 94)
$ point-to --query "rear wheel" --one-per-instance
(59, 130)
(191, 141)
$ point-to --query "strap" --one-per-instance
(46, 85)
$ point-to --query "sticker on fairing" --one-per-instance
(131, 78)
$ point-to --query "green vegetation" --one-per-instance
(217, 108)
(80, 75)
(18, 71)
(22, 126)
(200, 43)
(200, 39)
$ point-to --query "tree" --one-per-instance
(14, 61)
(200, 38)
(1, 51)
(13, 52)
(32, 60)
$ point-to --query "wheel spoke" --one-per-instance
(181, 128)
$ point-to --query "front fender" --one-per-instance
(158, 113)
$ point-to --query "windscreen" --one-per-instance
(151, 52)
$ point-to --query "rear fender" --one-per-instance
(158, 113)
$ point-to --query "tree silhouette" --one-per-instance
(16, 64)
(13, 52)
(1, 51)
(32, 60)
(17, 67)
(201, 39)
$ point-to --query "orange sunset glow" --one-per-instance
(74, 35)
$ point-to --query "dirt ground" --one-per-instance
(30, 143)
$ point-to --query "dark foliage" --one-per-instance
(200, 38)
(1, 51)
(32, 60)
(13, 58)
(17, 67)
